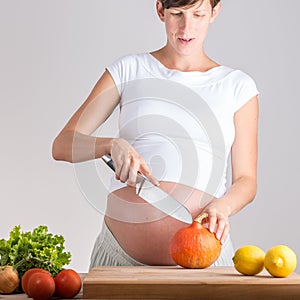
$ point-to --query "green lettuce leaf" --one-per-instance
(36, 249)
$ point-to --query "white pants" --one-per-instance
(107, 252)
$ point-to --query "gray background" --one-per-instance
(52, 54)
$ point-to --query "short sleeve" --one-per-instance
(116, 70)
(123, 70)
(244, 89)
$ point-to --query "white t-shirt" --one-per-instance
(180, 122)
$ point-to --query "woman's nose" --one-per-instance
(185, 23)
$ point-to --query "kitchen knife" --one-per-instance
(157, 197)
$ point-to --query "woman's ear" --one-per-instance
(160, 10)
(216, 11)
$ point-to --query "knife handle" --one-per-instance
(108, 160)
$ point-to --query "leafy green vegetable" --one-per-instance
(36, 249)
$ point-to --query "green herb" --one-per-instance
(36, 249)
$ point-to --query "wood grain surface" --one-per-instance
(148, 282)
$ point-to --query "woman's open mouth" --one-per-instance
(185, 41)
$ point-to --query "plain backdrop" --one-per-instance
(53, 52)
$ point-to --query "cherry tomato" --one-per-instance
(27, 275)
(41, 286)
(67, 283)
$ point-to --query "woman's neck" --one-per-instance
(198, 62)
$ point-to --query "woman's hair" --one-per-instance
(179, 3)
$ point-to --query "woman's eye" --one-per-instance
(176, 14)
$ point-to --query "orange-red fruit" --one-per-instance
(28, 274)
(67, 283)
(41, 286)
(195, 247)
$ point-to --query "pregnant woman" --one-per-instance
(180, 137)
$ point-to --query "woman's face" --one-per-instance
(187, 27)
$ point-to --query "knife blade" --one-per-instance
(156, 196)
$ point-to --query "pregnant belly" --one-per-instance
(143, 231)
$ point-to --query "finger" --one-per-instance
(212, 220)
(132, 173)
(220, 228)
(124, 171)
(131, 178)
(118, 168)
(144, 169)
(225, 234)
(153, 180)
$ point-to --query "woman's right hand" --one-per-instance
(128, 163)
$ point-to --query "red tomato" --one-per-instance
(67, 283)
(28, 274)
(41, 286)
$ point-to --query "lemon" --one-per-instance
(249, 260)
(280, 261)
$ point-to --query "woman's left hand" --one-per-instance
(218, 219)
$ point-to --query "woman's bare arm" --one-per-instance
(75, 143)
(244, 169)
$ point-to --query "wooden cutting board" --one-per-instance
(147, 282)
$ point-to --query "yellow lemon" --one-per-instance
(280, 261)
(249, 260)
